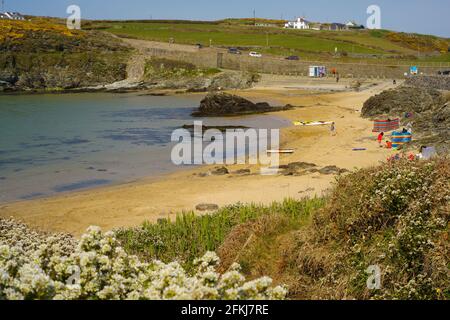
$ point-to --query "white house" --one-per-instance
(12, 16)
(300, 23)
(351, 24)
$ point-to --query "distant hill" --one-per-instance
(269, 37)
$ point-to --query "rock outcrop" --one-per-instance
(224, 104)
(397, 102)
(430, 82)
(426, 109)
(43, 55)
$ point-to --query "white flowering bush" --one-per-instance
(98, 268)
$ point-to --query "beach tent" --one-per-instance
(399, 139)
(428, 153)
(317, 71)
(386, 125)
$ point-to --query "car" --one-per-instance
(444, 73)
(293, 58)
(255, 54)
(234, 51)
(199, 46)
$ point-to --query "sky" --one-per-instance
(421, 16)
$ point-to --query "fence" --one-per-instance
(273, 65)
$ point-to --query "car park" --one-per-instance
(234, 51)
(255, 54)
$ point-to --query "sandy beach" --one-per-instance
(150, 199)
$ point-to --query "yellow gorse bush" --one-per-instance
(11, 29)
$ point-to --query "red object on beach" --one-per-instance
(386, 125)
(380, 138)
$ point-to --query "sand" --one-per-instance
(153, 198)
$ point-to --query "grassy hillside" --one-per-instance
(395, 216)
(42, 54)
(306, 43)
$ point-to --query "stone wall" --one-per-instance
(272, 65)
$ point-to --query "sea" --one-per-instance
(58, 143)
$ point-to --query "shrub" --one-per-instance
(162, 68)
(395, 216)
(190, 235)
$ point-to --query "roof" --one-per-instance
(12, 15)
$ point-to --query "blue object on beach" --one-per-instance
(400, 138)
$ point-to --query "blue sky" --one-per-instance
(422, 16)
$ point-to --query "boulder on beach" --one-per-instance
(220, 171)
(207, 207)
(224, 104)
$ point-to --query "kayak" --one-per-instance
(312, 123)
(281, 151)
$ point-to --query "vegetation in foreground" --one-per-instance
(395, 216)
(36, 266)
(190, 235)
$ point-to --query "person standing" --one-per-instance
(337, 77)
(380, 138)
(333, 129)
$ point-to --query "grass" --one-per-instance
(278, 41)
(190, 236)
(162, 68)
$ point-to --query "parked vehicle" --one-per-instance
(444, 73)
(234, 51)
(255, 54)
(199, 46)
(293, 58)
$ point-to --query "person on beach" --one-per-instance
(337, 77)
(380, 138)
(333, 129)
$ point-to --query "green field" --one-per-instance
(351, 45)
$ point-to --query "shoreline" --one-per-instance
(151, 198)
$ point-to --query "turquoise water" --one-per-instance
(60, 143)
